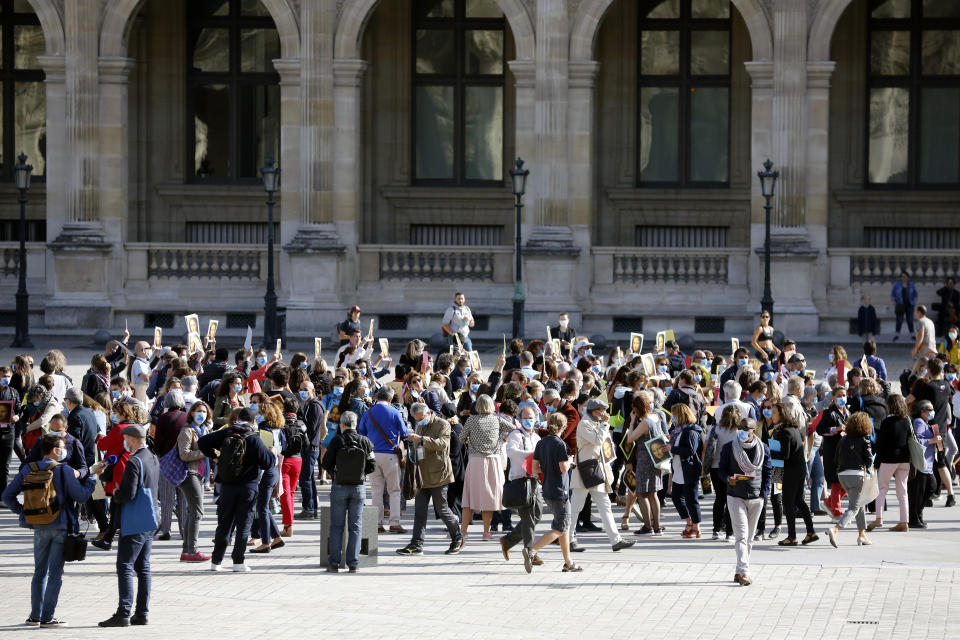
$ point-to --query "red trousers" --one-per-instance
(289, 477)
(836, 494)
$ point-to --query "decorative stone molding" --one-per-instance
(819, 74)
(524, 73)
(582, 73)
(289, 70)
(316, 238)
(115, 70)
(349, 72)
(80, 236)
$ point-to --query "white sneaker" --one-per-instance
(727, 538)
(215, 567)
(241, 568)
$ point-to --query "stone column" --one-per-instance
(790, 110)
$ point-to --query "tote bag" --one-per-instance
(138, 515)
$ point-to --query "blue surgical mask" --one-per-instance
(474, 387)
(721, 368)
(63, 453)
(951, 377)
(742, 362)
(924, 373)
(761, 398)
(304, 395)
(262, 360)
(770, 375)
(596, 369)
(768, 413)
(699, 378)
(795, 372)
(5, 381)
(66, 412)
(255, 407)
(259, 418)
(467, 371)
(662, 368)
(424, 422)
(742, 436)
(363, 371)
(667, 391)
(705, 362)
(619, 392)
(304, 365)
(338, 391)
(199, 418)
(126, 447)
(237, 388)
(551, 408)
(115, 395)
(528, 423)
(841, 402)
(36, 403)
(830, 357)
(588, 352)
(114, 418)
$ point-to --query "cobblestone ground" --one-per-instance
(903, 586)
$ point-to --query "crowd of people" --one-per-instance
(552, 427)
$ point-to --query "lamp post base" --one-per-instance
(518, 318)
(22, 337)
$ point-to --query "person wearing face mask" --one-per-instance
(48, 539)
(837, 353)
(198, 422)
(82, 425)
(950, 345)
(217, 369)
(563, 332)
(831, 428)
(297, 445)
(76, 456)
(790, 435)
(771, 418)
(457, 321)
(8, 434)
(141, 371)
(431, 439)
(228, 398)
(593, 430)
(168, 428)
(583, 348)
(939, 393)
(133, 554)
(741, 358)
(385, 427)
(854, 467)
(121, 416)
(746, 470)
(923, 483)
(315, 420)
(676, 358)
(520, 446)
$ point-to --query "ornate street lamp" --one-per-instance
(271, 183)
(518, 175)
(768, 181)
(21, 175)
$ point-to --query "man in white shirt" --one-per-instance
(925, 346)
(458, 320)
(140, 371)
(732, 391)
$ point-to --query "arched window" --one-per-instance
(684, 97)
(913, 101)
(233, 91)
(458, 71)
(24, 103)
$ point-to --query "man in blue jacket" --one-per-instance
(904, 299)
(385, 427)
(133, 552)
(237, 496)
(49, 539)
(82, 425)
(75, 454)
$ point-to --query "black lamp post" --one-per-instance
(519, 177)
(271, 183)
(768, 181)
(21, 174)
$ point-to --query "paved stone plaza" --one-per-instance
(903, 586)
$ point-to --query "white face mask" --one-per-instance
(953, 335)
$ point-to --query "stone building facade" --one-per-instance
(395, 124)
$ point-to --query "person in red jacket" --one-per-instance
(111, 444)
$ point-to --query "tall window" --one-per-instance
(458, 92)
(23, 108)
(684, 96)
(914, 93)
(233, 92)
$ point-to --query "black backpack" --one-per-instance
(297, 443)
(351, 461)
(232, 451)
(209, 392)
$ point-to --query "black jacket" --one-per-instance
(875, 407)
(255, 458)
(746, 489)
(213, 371)
(75, 454)
(854, 452)
(832, 417)
(892, 438)
(329, 461)
(791, 450)
(82, 425)
(313, 417)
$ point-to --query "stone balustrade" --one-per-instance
(202, 262)
(36, 260)
(412, 262)
(883, 266)
(638, 265)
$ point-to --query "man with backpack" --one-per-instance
(139, 486)
(51, 490)
(349, 459)
(240, 454)
(687, 393)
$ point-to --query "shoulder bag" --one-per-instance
(518, 493)
(398, 449)
(172, 468)
(917, 459)
(138, 515)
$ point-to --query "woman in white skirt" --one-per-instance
(483, 433)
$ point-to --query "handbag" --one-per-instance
(172, 468)
(75, 544)
(706, 485)
(138, 515)
(518, 493)
(412, 480)
(917, 458)
(398, 449)
(591, 473)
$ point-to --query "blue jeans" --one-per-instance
(815, 471)
(133, 555)
(346, 509)
(308, 484)
(47, 572)
(265, 527)
(465, 340)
